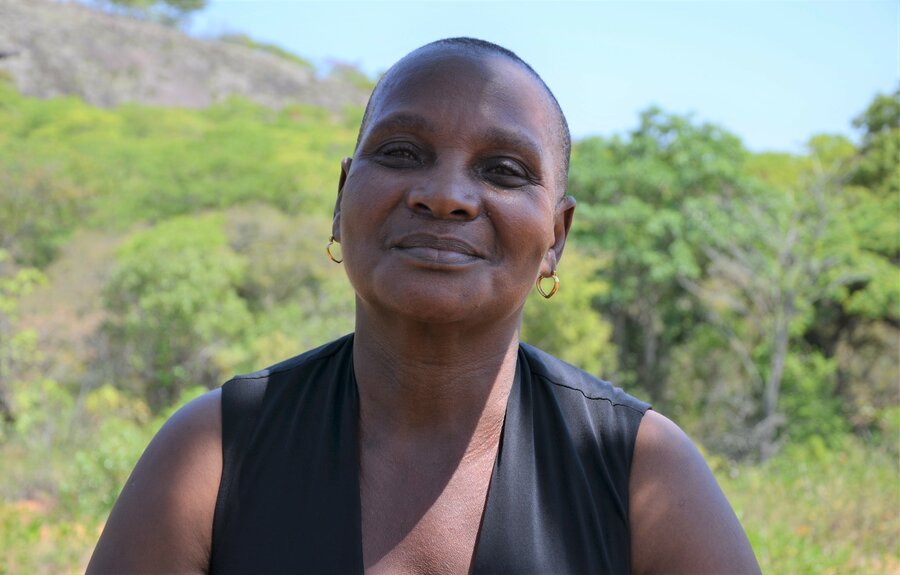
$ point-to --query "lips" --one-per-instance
(438, 249)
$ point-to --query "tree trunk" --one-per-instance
(773, 382)
(651, 331)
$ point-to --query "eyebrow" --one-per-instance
(512, 139)
(401, 122)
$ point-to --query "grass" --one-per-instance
(820, 512)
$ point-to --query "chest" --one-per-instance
(422, 517)
(298, 493)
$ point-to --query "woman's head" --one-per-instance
(484, 48)
(455, 200)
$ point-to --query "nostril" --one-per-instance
(443, 200)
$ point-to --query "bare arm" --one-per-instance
(162, 521)
(680, 519)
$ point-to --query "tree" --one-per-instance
(860, 324)
(174, 309)
(723, 267)
(774, 252)
(879, 166)
(632, 195)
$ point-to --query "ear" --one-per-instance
(336, 221)
(562, 223)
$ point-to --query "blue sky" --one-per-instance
(774, 73)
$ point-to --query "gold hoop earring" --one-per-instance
(553, 290)
(328, 251)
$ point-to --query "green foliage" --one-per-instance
(299, 298)
(66, 164)
(875, 209)
(100, 470)
(37, 206)
(233, 153)
(568, 325)
(632, 197)
(90, 489)
(719, 253)
(879, 168)
(809, 400)
(18, 349)
(858, 322)
(35, 540)
(39, 195)
(174, 306)
(53, 523)
(45, 412)
(15, 283)
(770, 255)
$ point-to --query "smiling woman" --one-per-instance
(449, 210)
(431, 440)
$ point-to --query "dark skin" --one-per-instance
(447, 213)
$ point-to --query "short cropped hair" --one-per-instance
(561, 129)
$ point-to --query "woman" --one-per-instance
(431, 440)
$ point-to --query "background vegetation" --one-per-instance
(147, 254)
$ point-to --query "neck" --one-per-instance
(424, 382)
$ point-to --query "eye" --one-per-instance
(399, 155)
(506, 173)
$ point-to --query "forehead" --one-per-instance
(470, 92)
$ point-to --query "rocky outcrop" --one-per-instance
(56, 48)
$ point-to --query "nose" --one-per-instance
(448, 192)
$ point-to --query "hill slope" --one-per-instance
(54, 48)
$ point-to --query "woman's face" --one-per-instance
(451, 205)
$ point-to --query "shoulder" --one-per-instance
(162, 521)
(565, 376)
(680, 520)
(285, 369)
(246, 397)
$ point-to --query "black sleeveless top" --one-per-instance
(289, 495)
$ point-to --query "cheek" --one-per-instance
(365, 204)
(527, 234)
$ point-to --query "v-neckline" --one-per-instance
(511, 400)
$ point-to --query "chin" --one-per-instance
(424, 304)
(457, 296)
(431, 306)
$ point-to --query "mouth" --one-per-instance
(437, 249)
